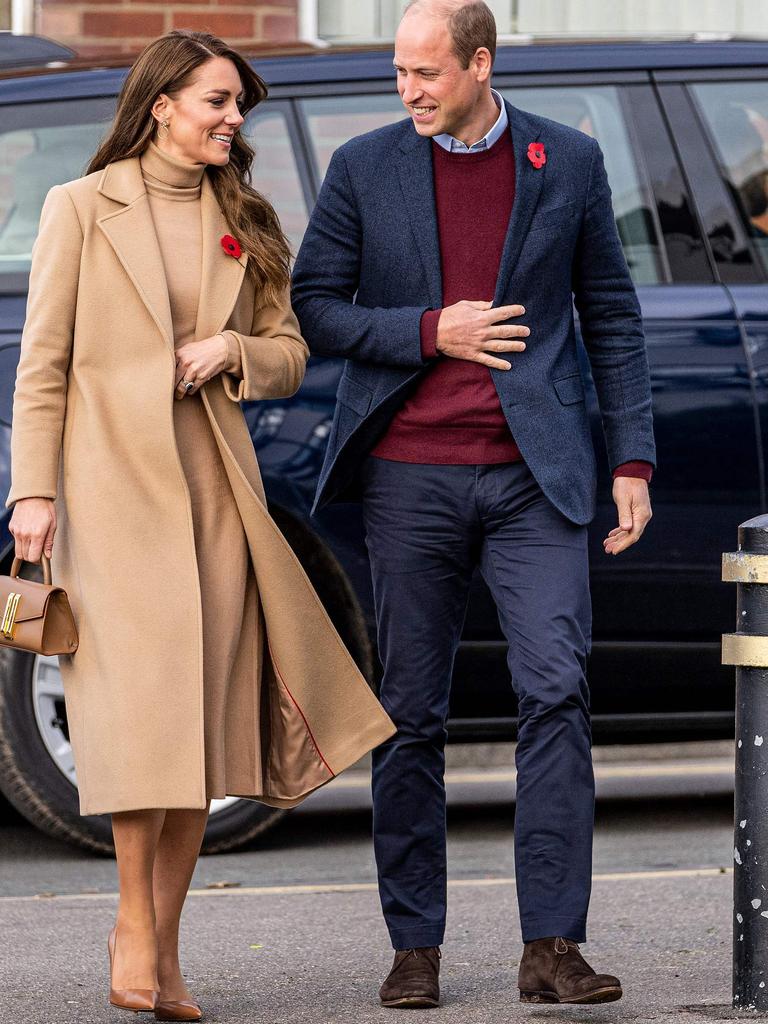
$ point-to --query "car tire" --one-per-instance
(37, 774)
(30, 779)
(333, 587)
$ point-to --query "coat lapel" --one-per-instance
(417, 183)
(222, 274)
(131, 233)
(529, 180)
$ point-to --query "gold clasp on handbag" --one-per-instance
(9, 616)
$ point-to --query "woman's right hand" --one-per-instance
(32, 526)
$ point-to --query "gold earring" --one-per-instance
(163, 126)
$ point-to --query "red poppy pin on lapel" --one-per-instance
(536, 154)
(231, 246)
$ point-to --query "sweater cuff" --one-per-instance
(428, 333)
(639, 470)
(234, 363)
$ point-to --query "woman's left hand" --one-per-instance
(197, 362)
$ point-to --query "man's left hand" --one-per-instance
(633, 503)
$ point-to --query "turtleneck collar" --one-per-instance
(160, 169)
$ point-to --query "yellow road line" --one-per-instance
(626, 876)
(353, 887)
(649, 771)
(359, 780)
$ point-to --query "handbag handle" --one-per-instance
(46, 563)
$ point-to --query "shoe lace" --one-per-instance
(563, 945)
(415, 952)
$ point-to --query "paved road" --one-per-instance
(291, 932)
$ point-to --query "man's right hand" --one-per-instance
(32, 526)
(468, 330)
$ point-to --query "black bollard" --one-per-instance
(747, 649)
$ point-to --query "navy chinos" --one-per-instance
(427, 528)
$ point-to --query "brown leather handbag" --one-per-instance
(35, 616)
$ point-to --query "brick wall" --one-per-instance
(106, 27)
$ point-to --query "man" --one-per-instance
(442, 260)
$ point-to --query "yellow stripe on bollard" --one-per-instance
(745, 651)
(743, 567)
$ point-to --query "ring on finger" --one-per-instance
(187, 385)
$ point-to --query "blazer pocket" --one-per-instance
(354, 395)
(570, 389)
(555, 215)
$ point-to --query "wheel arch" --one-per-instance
(25, 787)
(333, 586)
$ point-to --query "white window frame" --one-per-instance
(309, 28)
(22, 17)
(574, 18)
(308, 23)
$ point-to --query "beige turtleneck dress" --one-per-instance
(227, 582)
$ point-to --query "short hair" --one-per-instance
(470, 25)
(753, 194)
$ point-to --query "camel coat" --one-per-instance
(93, 428)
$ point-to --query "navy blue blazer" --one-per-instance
(369, 267)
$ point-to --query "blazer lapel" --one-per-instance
(131, 233)
(529, 180)
(417, 183)
(222, 274)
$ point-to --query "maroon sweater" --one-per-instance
(454, 415)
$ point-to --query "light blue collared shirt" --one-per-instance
(455, 146)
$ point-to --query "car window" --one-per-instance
(41, 145)
(333, 120)
(735, 115)
(595, 110)
(274, 170)
(599, 112)
(46, 144)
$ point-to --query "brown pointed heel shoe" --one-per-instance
(177, 1009)
(554, 971)
(140, 1000)
(413, 981)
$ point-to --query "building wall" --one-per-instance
(103, 27)
(597, 16)
(368, 20)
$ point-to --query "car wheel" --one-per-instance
(37, 769)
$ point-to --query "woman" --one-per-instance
(207, 665)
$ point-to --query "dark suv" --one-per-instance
(684, 129)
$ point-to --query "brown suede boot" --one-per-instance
(554, 971)
(413, 980)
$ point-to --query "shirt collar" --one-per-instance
(452, 145)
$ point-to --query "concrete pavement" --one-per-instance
(291, 931)
(318, 954)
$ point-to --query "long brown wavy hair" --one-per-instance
(167, 65)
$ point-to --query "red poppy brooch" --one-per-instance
(536, 154)
(231, 246)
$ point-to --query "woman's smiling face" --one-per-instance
(203, 116)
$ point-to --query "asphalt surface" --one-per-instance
(291, 931)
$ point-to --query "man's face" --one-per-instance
(438, 93)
